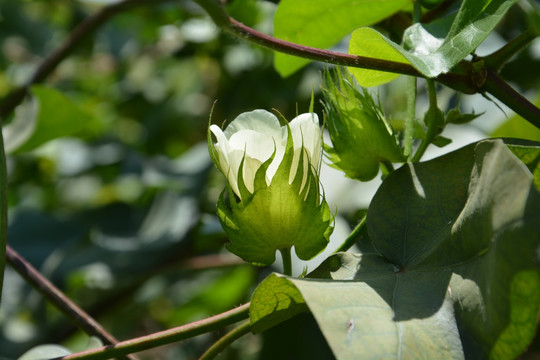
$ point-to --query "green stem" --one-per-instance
(411, 101)
(417, 11)
(164, 337)
(287, 261)
(496, 60)
(56, 297)
(511, 98)
(429, 132)
(358, 231)
(387, 168)
(3, 210)
(411, 118)
(226, 340)
(432, 93)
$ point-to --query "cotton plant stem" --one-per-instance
(237, 29)
(410, 120)
(287, 261)
(461, 80)
(164, 337)
(500, 89)
(3, 211)
(50, 292)
(427, 140)
(360, 229)
(411, 102)
(497, 59)
(226, 340)
(47, 66)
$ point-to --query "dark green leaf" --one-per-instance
(455, 278)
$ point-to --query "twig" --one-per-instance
(84, 321)
(164, 337)
(50, 63)
(3, 211)
(225, 341)
(497, 59)
(511, 98)
(358, 231)
(462, 78)
(455, 80)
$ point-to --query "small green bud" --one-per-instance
(434, 120)
(274, 200)
(360, 135)
(455, 116)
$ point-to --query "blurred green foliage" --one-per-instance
(114, 210)
(119, 212)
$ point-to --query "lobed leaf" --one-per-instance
(455, 277)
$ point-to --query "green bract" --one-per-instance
(274, 199)
(360, 136)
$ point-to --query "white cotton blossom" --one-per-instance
(254, 137)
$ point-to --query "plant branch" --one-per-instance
(3, 211)
(462, 78)
(497, 59)
(359, 230)
(50, 63)
(84, 321)
(433, 120)
(237, 29)
(511, 98)
(164, 337)
(226, 340)
(410, 119)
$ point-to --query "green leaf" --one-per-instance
(529, 153)
(274, 301)
(45, 352)
(301, 21)
(455, 276)
(432, 49)
(57, 116)
(370, 43)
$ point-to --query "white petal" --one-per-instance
(256, 145)
(259, 120)
(307, 134)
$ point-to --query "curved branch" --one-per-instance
(503, 92)
(164, 337)
(3, 211)
(84, 321)
(235, 334)
(50, 63)
(456, 80)
(463, 78)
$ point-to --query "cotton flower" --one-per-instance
(274, 199)
(253, 137)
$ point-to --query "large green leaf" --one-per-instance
(455, 276)
(323, 23)
(529, 153)
(52, 116)
(432, 49)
